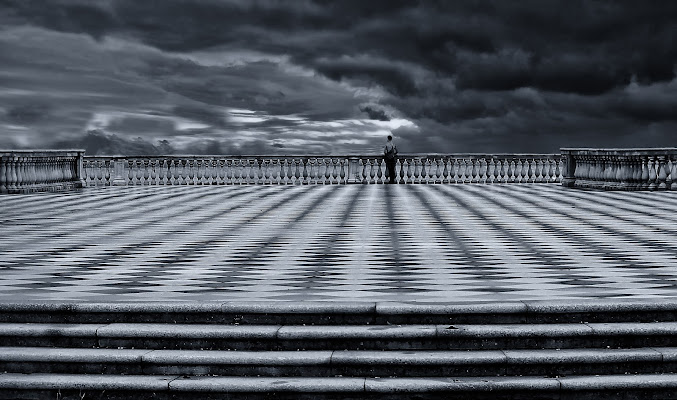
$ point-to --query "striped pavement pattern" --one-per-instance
(436, 243)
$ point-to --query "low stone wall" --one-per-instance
(25, 171)
(621, 169)
(301, 170)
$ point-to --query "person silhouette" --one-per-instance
(390, 156)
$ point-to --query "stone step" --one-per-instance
(341, 313)
(334, 337)
(328, 363)
(73, 386)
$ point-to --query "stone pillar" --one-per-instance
(119, 173)
(568, 180)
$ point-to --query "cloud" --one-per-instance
(374, 113)
(318, 76)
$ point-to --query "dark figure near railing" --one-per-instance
(390, 156)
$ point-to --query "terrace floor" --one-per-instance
(437, 243)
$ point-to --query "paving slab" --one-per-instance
(85, 382)
(266, 384)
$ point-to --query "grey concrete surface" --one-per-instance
(357, 243)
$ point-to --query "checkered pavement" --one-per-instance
(356, 242)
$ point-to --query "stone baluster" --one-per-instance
(192, 171)
(107, 166)
(405, 171)
(624, 175)
(185, 172)
(502, 170)
(466, 167)
(323, 171)
(3, 174)
(509, 170)
(145, 171)
(198, 170)
(490, 176)
(313, 171)
(317, 171)
(131, 173)
(423, 172)
(162, 171)
(258, 167)
(643, 181)
(435, 171)
(285, 170)
(90, 173)
(219, 172)
(152, 171)
(362, 165)
(335, 172)
(379, 171)
(651, 166)
(297, 172)
(372, 170)
(484, 171)
(217, 178)
(636, 172)
(661, 173)
(526, 171)
(226, 171)
(281, 171)
(249, 176)
(445, 170)
(341, 171)
(549, 170)
(20, 177)
(304, 174)
(520, 171)
(267, 174)
(30, 171)
(452, 170)
(559, 169)
(460, 170)
(243, 171)
(211, 175)
(673, 172)
(171, 171)
(500, 173)
(537, 170)
(236, 167)
(10, 173)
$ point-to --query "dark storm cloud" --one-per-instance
(375, 113)
(467, 74)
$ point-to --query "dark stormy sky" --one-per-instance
(331, 77)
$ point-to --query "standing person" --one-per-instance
(390, 155)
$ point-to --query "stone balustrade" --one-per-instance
(25, 171)
(291, 170)
(621, 169)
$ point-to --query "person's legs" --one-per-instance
(391, 171)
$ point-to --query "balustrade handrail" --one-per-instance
(25, 171)
(321, 169)
(312, 156)
(621, 168)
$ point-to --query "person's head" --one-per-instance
(390, 138)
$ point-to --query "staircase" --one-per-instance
(523, 350)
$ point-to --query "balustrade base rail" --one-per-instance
(27, 171)
(330, 170)
(621, 169)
